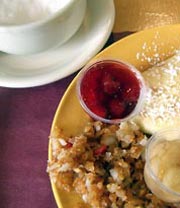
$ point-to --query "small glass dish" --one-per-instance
(111, 90)
(162, 167)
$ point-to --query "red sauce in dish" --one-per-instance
(110, 89)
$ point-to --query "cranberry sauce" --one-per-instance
(110, 89)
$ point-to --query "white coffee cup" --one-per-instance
(44, 34)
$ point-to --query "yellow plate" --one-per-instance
(143, 50)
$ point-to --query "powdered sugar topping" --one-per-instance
(163, 100)
(153, 49)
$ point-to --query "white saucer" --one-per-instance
(52, 65)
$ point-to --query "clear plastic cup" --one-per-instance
(90, 93)
(162, 167)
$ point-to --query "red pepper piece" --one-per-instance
(101, 150)
(69, 145)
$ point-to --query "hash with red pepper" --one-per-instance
(104, 165)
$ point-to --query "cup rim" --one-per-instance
(151, 172)
(39, 22)
(138, 75)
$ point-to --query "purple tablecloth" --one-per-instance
(25, 121)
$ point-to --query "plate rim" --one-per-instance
(73, 82)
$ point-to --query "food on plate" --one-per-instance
(104, 165)
(162, 104)
(110, 90)
(170, 171)
(162, 169)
